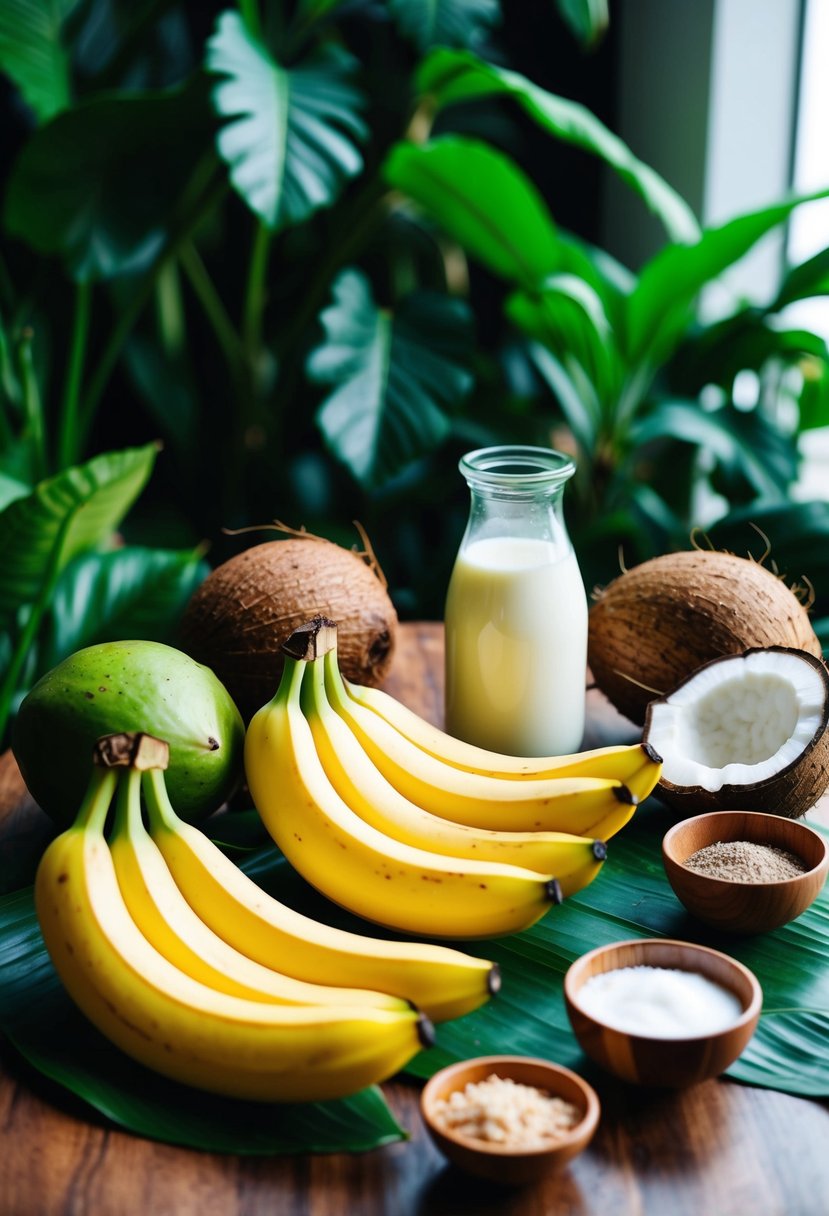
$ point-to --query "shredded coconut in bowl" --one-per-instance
(502, 1111)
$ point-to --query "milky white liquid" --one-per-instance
(516, 647)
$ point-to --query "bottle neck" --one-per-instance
(517, 492)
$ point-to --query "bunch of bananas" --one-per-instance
(414, 830)
(169, 949)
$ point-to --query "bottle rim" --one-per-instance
(516, 467)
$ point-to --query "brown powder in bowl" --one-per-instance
(502, 1111)
(745, 861)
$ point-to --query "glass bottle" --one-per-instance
(516, 609)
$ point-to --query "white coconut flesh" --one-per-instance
(738, 721)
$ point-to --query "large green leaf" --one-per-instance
(749, 339)
(810, 278)
(315, 10)
(100, 183)
(741, 443)
(32, 52)
(452, 76)
(10, 489)
(659, 307)
(609, 278)
(567, 315)
(813, 400)
(445, 22)
(291, 142)
(587, 19)
(33, 1003)
(766, 456)
(64, 516)
(121, 594)
(575, 395)
(483, 201)
(395, 374)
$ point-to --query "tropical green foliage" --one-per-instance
(303, 243)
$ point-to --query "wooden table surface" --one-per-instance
(717, 1149)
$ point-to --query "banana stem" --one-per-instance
(128, 805)
(290, 686)
(334, 686)
(96, 802)
(313, 686)
(290, 682)
(159, 806)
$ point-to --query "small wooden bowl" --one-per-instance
(508, 1164)
(744, 907)
(664, 1062)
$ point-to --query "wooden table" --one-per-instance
(718, 1149)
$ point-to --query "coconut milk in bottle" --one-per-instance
(516, 609)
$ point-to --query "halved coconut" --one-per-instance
(745, 732)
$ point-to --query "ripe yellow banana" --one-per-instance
(169, 923)
(574, 860)
(443, 982)
(180, 1027)
(360, 868)
(622, 762)
(578, 805)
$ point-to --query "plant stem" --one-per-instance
(255, 293)
(211, 302)
(32, 408)
(169, 310)
(68, 450)
(128, 316)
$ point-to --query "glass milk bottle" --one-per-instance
(516, 609)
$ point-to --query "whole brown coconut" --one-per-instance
(657, 623)
(246, 608)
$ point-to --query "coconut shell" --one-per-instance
(790, 793)
(238, 619)
(657, 623)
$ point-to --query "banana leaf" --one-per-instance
(630, 898)
(33, 1004)
(395, 374)
(291, 139)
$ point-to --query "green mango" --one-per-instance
(129, 686)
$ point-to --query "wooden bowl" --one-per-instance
(497, 1162)
(733, 905)
(667, 1062)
